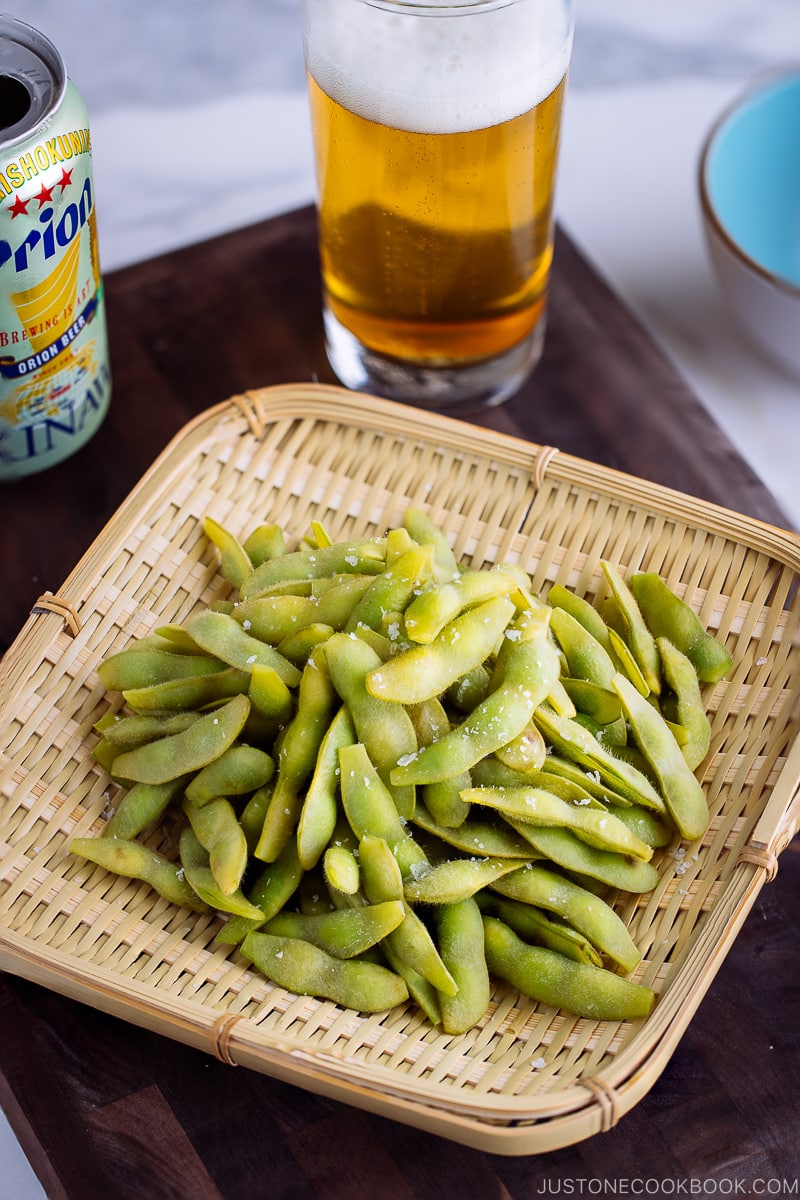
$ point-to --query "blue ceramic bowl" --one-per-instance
(750, 197)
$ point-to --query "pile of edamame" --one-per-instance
(393, 775)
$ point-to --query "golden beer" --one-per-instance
(435, 198)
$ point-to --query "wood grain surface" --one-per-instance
(107, 1110)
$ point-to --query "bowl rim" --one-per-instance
(765, 83)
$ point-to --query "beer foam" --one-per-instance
(437, 73)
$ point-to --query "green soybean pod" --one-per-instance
(443, 798)
(319, 812)
(264, 542)
(235, 563)
(393, 588)
(537, 806)
(308, 971)
(344, 933)
(180, 753)
(550, 978)
(125, 733)
(589, 914)
(669, 616)
(533, 925)
(690, 713)
(340, 869)
(586, 657)
(141, 665)
(684, 797)
(191, 693)
(449, 882)
(385, 729)
(297, 754)
(274, 886)
(564, 848)
(142, 805)
(475, 836)
(582, 610)
(239, 770)
(219, 833)
(429, 612)
(426, 671)
(459, 929)
(194, 861)
(638, 636)
(137, 861)
(371, 810)
(572, 741)
(363, 556)
(424, 530)
(411, 943)
(529, 671)
(223, 636)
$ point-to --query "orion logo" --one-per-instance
(53, 236)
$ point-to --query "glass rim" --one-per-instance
(446, 8)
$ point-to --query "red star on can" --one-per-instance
(44, 195)
(65, 180)
(19, 208)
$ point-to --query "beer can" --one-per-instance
(55, 383)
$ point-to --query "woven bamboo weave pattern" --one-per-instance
(529, 1077)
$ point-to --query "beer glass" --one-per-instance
(436, 129)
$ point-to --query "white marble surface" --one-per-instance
(200, 125)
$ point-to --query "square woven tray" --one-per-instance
(530, 1078)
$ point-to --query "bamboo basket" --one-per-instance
(530, 1078)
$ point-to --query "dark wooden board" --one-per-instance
(106, 1109)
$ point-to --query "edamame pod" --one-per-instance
(263, 542)
(564, 848)
(570, 739)
(140, 666)
(530, 670)
(308, 971)
(136, 861)
(638, 637)
(669, 616)
(548, 977)
(536, 926)
(449, 882)
(410, 942)
(424, 672)
(237, 771)
(370, 809)
(276, 884)
(235, 563)
(143, 804)
(393, 588)
(690, 713)
(223, 636)
(543, 888)
(427, 614)
(364, 556)
(385, 729)
(475, 836)
(344, 933)
(459, 930)
(319, 812)
(537, 806)
(684, 797)
(191, 693)
(125, 733)
(222, 837)
(194, 862)
(180, 753)
(297, 755)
